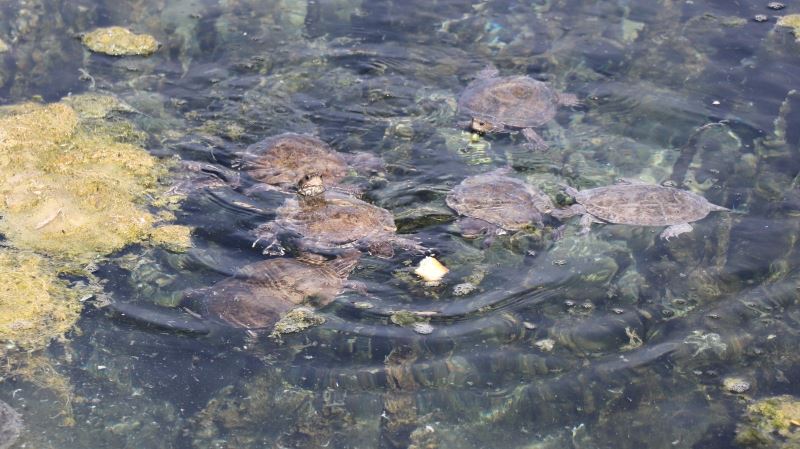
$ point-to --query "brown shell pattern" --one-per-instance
(644, 205)
(337, 219)
(501, 200)
(262, 292)
(282, 160)
(517, 101)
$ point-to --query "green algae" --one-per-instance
(771, 423)
(791, 21)
(71, 191)
(36, 306)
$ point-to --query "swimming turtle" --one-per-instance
(328, 220)
(281, 161)
(498, 102)
(495, 202)
(640, 205)
(257, 296)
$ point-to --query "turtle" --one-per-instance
(494, 203)
(639, 205)
(495, 103)
(279, 162)
(328, 220)
(257, 296)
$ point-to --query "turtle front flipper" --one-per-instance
(161, 317)
(535, 141)
(586, 223)
(565, 99)
(268, 233)
(676, 230)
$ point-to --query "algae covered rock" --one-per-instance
(772, 423)
(118, 41)
(73, 189)
(36, 305)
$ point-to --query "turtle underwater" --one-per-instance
(494, 203)
(257, 296)
(495, 103)
(280, 161)
(639, 205)
(326, 221)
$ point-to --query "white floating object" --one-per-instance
(431, 270)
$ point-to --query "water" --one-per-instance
(616, 339)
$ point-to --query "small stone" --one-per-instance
(362, 305)
(464, 289)
(118, 41)
(545, 345)
(716, 103)
(296, 320)
(431, 270)
(422, 328)
(3, 46)
(775, 5)
(528, 325)
(736, 385)
(760, 18)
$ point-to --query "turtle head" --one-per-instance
(310, 185)
(483, 126)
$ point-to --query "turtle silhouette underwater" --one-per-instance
(639, 205)
(493, 203)
(496, 103)
(256, 297)
(279, 162)
(327, 221)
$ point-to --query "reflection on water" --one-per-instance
(613, 339)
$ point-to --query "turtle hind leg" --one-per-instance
(676, 230)
(535, 141)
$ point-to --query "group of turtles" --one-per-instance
(326, 218)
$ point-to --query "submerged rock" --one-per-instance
(791, 21)
(118, 41)
(10, 425)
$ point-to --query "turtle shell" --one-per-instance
(335, 219)
(260, 294)
(283, 159)
(517, 101)
(644, 205)
(501, 200)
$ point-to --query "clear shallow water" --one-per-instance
(643, 331)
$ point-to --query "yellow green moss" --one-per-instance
(791, 21)
(175, 238)
(36, 306)
(118, 41)
(771, 423)
(70, 188)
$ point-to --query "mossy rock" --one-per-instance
(118, 41)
